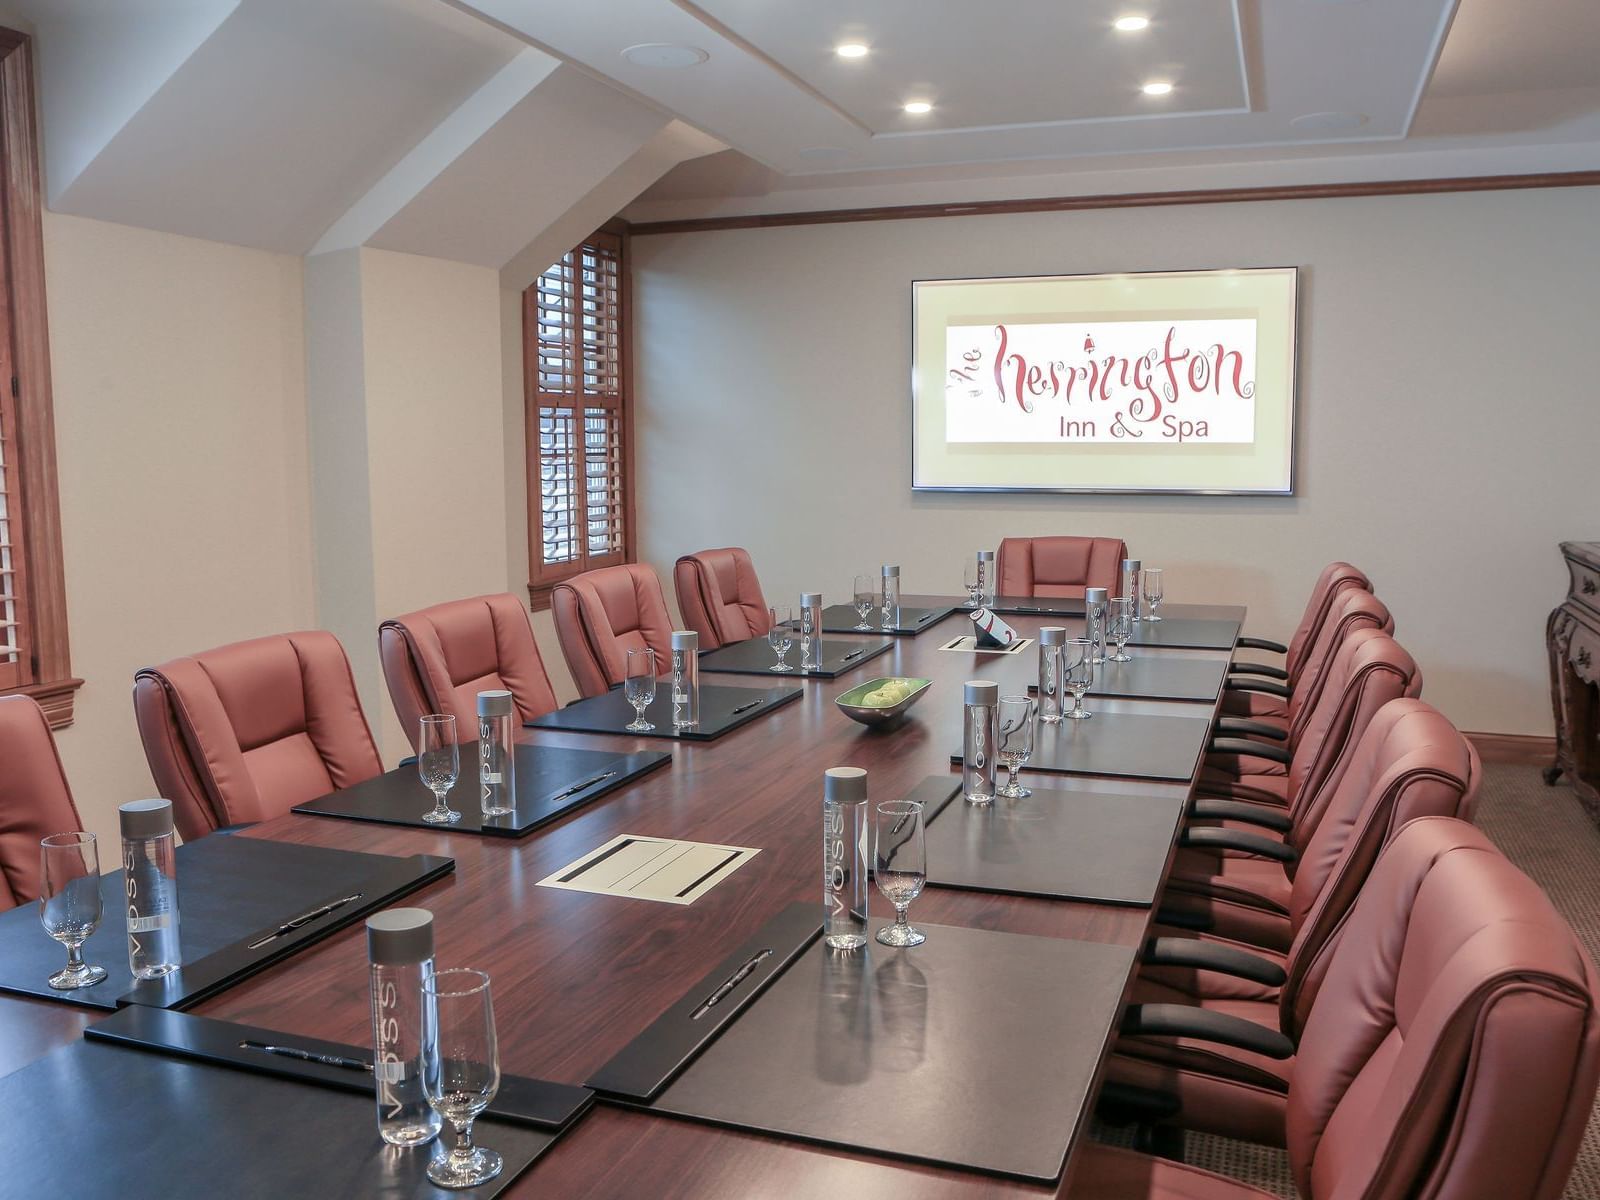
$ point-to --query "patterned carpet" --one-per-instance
(1545, 832)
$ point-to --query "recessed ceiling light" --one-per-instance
(1130, 24)
(1156, 89)
(665, 55)
(850, 50)
(917, 107)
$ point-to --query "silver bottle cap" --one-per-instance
(891, 572)
(985, 555)
(1052, 635)
(844, 785)
(145, 818)
(981, 691)
(1095, 595)
(495, 704)
(400, 935)
(810, 599)
(685, 639)
(1133, 563)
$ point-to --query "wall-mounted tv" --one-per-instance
(1159, 381)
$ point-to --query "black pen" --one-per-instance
(327, 1060)
(728, 985)
(745, 707)
(304, 918)
(578, 787)
(852, 654)
(926, 617)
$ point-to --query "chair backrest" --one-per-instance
(1410, 762)
(1350, 610)
(1059, 566)
(34, 798)
(245, 732)
(1334, 579)
(601, 615)
(437, 660)
(1453, 1049)
(720, 597)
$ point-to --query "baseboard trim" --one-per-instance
(1518, 748)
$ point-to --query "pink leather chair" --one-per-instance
(601, 615)
(720, 597)
(245, 732)
(35, 800)
(1451, 1052)
(438, 659)
(1059, 566)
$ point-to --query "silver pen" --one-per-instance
(304, 918)
(578, 787)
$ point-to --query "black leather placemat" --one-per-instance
(1058, 842)
(722, 709)
(231, 891)
(521, 1100)
(976, 1050)
(1184, 633)
(908, 621)
(1129, 745)
(1147, 677)
(1038, 606)
(551, 782)
(97, 1119)
(755, 657)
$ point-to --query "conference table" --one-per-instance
(577, 977)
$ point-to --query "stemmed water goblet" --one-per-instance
(866, 599)
(1077, 674)
(972, 580)
(900, 866)
(639, 686)
(780, 635)
(1119, 627)
(1153, 590)
(439, 764)
(1014, 745)
(460, 1070)
(69, 902)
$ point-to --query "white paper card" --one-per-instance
(666, 870)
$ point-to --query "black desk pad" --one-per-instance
(1038, 606)
(546, 777)
(610, 712)
(1057, 843)
(521, 1100)
(909, 621)
(1129, 745)
(1146, 677)
(975, 1050)
(97, 1119)
(756, 657)
(1185, 633)
(231, 891)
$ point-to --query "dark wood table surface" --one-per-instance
(576, 976)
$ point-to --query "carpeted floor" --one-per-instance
(1546, 833)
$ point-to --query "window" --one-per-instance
(33, 608)
(575, 339)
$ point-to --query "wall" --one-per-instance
(1446, 431)
(179, 380)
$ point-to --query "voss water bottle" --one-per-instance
(1095, 605)
(150, 881)
(846, 858)
(685, 679)
(1132, 581)
(810, 631)
(400, 954)
(497, 753)
(1051, 638)
(980, 732)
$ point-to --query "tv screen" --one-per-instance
(1165, 381)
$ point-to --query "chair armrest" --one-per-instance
(1227, 745)
(1251, 728)
(1217, 808)
(1255, 643)
(1250, 668)
(1265, 686)
(1211, 837)
(1129, 1104)
(1183, 918)
(1212, 956)
(1182, 1020)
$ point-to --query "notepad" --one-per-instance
(666, 870)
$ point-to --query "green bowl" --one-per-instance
(850, 702)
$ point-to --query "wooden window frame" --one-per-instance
(542, 580)
(41, 582)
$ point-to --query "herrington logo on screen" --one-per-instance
(1133, 382)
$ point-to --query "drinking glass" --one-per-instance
(1015, 744)
(1119, 627)
(780, 635)
(1077, 674)
(439, 764)
(900, 865)
(460, 1069)
(640, 687)
(973, 582)
(69, 902)
(1153, 591)
(866, 599)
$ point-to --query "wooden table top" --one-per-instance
(577, 976)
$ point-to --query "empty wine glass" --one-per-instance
(780, 635)
(640, 687)
(460, 1069)
(1119, 627)
(972, 580)
(439, 764)
(1014, 746)
(1077, 673)
(900, 866)
(1153, 591)
(866, 599)
(69, 902)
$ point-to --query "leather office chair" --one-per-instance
(245, 732)
(601, 615)
(1059, 566)
(35, 800)
(437, 660)
(1452, 1050)
(720, 597)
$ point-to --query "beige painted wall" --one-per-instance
(1446, 429)
(181, 435)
